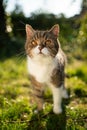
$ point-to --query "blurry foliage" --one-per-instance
(82, 35)
(17, 22)
(15, 110)
(73, 31)
(43, 21)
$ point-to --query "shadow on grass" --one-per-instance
(49, 121)
(80, 93)
(56, 122)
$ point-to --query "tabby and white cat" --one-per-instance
(46, 63)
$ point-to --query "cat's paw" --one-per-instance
(57, 110)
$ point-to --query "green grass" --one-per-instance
(16, 113)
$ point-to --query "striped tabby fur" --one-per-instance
(46, 63)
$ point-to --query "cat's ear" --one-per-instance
(29, 31)
(55, 30)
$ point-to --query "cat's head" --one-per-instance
(42, 43)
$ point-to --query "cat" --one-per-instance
(46, 65)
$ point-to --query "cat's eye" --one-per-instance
(34, 43)
(48, 41)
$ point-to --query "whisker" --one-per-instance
(22, 22)
(21, 53)
(20, 57)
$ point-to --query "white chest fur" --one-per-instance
(41, 68)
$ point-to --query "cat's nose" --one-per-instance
(40, 48)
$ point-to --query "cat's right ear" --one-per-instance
(29, 31)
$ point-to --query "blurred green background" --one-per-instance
(73, 30)
(16, 112)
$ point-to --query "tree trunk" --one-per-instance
(2, 19)
(4, 38)
(84, 7)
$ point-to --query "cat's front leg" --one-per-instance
(38, 97)
(58, 93)
(57, 99)
(37, 93)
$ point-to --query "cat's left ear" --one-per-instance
(55, 30)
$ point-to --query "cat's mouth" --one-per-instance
(43, 51)
(41, 54)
